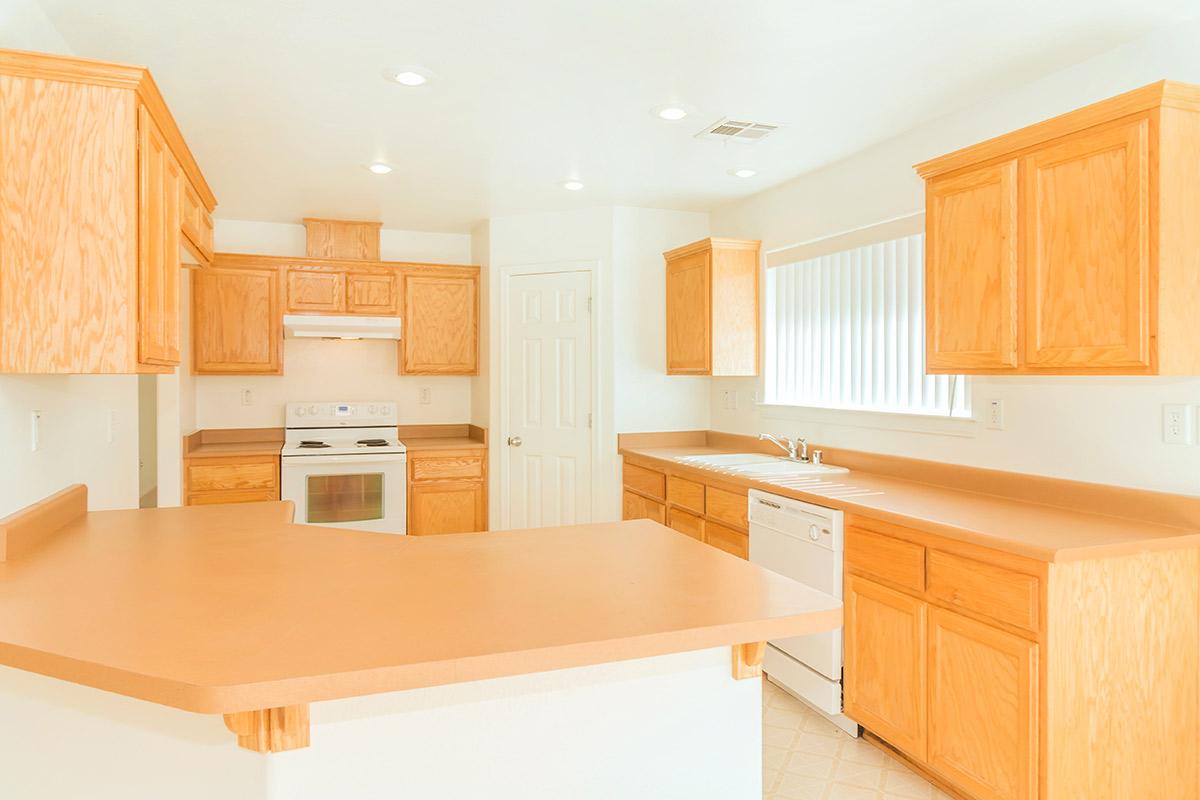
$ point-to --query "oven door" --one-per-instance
(365, 493)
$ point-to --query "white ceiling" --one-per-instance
(283, 102)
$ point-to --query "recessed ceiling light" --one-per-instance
(743, 173)
(379, 168)
(572, 186)
(408, 76)
(672, 113)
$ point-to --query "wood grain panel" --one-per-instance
(339, 238)
(446, 507)
(317, 291)
(727, 539)
(728, 507)
(1123, 642)
(634, 506)
(237, 326)
(444, 466)
(372, 293)
(885, 663)
(686, 494)
(232, 496)
(68, 227)
(689, 314)
(646, 481)
(232, 474)
(735, 325)
(971, 266)
(999, 593)
(885, 557)
(196, 223)
(441, 322)
(684, 522)
(159, 224)
(271, 730)
(1087, 259)
(983, 708)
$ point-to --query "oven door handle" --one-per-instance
(303, 461)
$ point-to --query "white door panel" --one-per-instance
(549, 400)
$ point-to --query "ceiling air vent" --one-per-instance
(732, 130)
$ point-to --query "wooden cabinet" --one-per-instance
(373, 293)
(715, 515)
(159, 190)
(1069, 247)
(90, 223)
(196, 225)
(230, 479)
(634, 506)
(316, 291)
(682, 521)
(885, 651)
(236, 321)
(983, 732)
(441, 321)
(339, 238)
(712, 308)
(447, 491)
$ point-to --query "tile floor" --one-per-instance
(805, 757)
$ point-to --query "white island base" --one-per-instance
(674, 726)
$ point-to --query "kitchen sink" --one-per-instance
(783, 467)
(728, 460)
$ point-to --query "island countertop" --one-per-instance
(219, 609)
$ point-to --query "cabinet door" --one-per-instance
(446, 507)
(983, 731)
(634, 506)
(885, 663)
(441, 324)
(313, 291)
(689, 314)
(687, 523)
(971, 270)
(236, 324)
(159, 177)
(372, 293)
(1087, 269)
(196, 222)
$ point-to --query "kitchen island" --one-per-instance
(605, 660)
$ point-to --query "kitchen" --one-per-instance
(971, 478)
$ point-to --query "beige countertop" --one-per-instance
(1014, 516)
(226, 608)
(417, 438)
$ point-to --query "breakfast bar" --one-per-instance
(586, 661)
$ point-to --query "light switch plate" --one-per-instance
(426, 396)
(995, 415)
(1177, 424)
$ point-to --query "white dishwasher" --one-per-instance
(803, 542)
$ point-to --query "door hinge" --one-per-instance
(589, 304)
(589, 420)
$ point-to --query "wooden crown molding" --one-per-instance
(253, 261)
(711, 242)
(1168, 94)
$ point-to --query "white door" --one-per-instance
(549, 390)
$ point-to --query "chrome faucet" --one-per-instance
(797, 449)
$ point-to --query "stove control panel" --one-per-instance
(338, 414)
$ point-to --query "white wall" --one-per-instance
(75, 446)
(332, 370)
(1096, 429)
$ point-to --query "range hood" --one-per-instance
(309, 326)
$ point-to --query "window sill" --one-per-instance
(967, 427)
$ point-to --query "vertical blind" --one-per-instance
(847, 330)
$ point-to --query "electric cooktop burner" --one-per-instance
(313, 444)
(372, 442)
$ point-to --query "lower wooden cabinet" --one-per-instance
(687, 523)
(983, 718)
(634, 506)
(715, 515)
(230, 479)
(885, 678)
(447, 492)
(724, 538)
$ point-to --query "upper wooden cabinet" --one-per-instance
(339, 238)
(315, 290)
(1069, 247)
(197, 224)
(441, 321)
(330, 287)
(237, 325)
(94, 174)
(712, 308)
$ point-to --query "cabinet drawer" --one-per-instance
(634, 506)
(727, 539)
(995, 592)
(232, 476)
(433, 468)
(685, 493)
(687, 523)
(728, 507)
(237, 496)
(885, 557)
(646, 481)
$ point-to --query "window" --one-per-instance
(846, 329)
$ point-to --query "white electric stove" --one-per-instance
(343, 465)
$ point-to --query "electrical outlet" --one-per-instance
(729, 400)
(426, 396)
(995, 415)
(1177, 424)
(247, 397)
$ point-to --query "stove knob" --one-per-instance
(371, 410)
(385, 410)
(312, 410)
(300, 412)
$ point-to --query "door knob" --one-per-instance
(514, 441)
